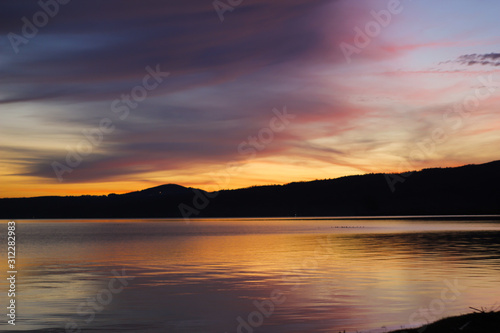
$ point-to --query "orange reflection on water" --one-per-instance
(336, 278)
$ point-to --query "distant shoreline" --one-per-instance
(288, 218)
(454, 192)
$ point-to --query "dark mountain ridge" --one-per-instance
(470, 189)
(162, 190)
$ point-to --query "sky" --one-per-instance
(114, 96)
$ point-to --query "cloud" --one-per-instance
(95, 50)
(226, 77)
(488, 59)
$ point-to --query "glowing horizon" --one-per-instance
(297, 91)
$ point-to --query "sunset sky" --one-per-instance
(416, 85)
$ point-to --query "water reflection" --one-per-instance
(225, 275)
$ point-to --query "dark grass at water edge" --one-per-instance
(477, 322)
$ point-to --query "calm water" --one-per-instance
(250, 275)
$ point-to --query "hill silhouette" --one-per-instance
(470, 189)
(162, 190)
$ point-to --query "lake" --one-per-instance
(250, 275)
